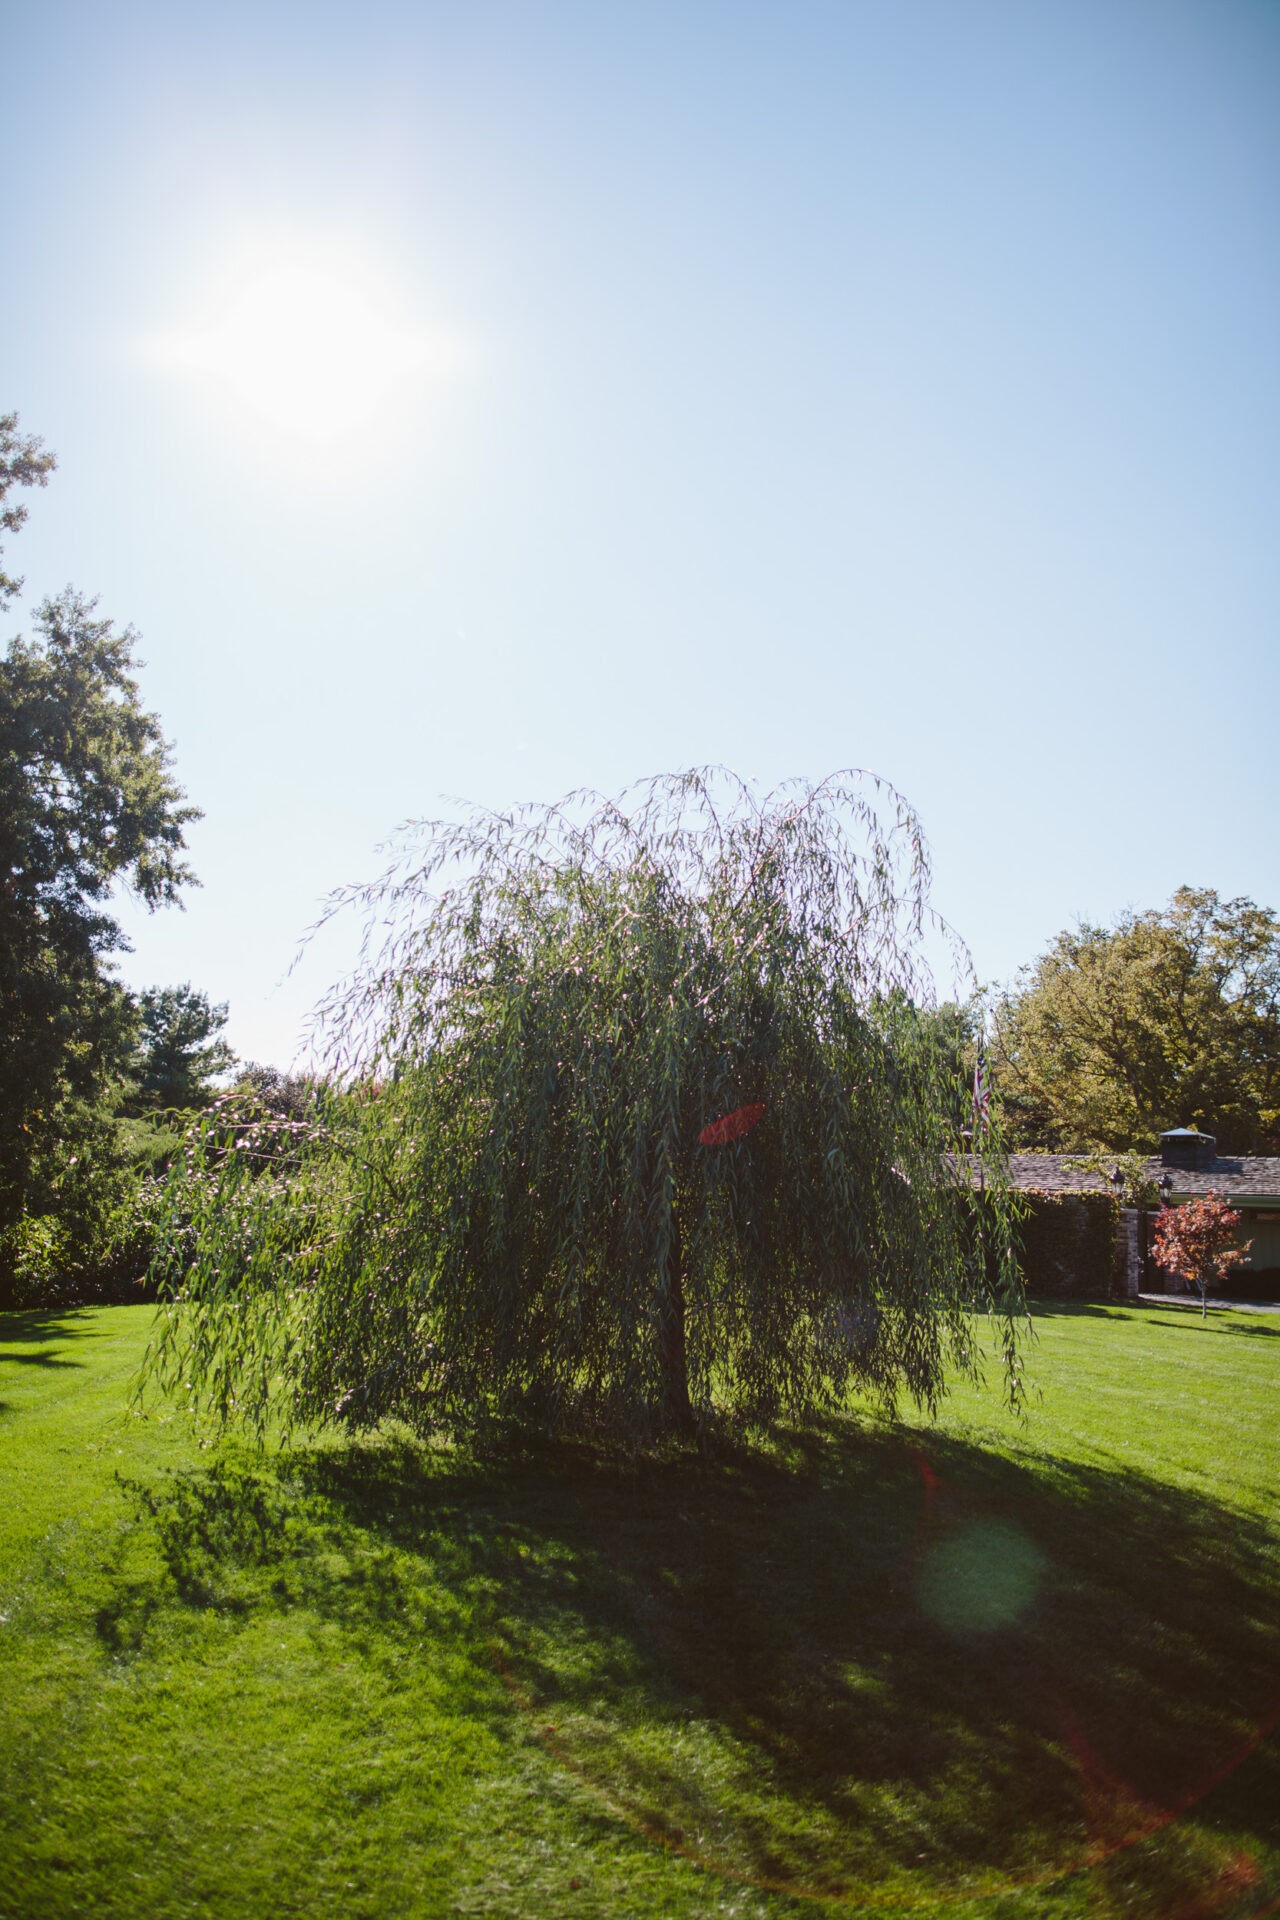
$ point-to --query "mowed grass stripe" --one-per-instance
(1192, 1403)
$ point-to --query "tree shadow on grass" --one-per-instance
(1046, 1307)
(1185, 1321)
(1172, 1319)
(851, 1660)
(25, 1329)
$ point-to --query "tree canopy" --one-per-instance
(24, 462)
(640, 1120)
(181, 1050)
(87, 802)
(1169, 1018)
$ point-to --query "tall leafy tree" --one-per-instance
(1169, 1018)
(642, 1120)
(24, 462)
(87, 802)
(181, 1049)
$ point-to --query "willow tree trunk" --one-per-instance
(673, 1363)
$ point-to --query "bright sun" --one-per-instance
(313, 343)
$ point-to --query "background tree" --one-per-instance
(641, 1118)
(282, 1096)
(1136, 1187)
(87, 802)
(954, 1028)
(1198, 1240)
(181, 1049)
(24, 462)
(280, 1111)
(1166, 1019)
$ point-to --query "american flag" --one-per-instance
(981, 1090)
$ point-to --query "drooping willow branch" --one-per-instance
(520, 1210)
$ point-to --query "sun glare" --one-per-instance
(314, 345)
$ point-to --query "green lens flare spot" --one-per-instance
(979, 1578)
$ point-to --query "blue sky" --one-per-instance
(487, 400)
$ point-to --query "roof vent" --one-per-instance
(1184, 1147)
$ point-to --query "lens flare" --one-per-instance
(979, 1577)
(733, 1125)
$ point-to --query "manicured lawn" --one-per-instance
(977, 1669)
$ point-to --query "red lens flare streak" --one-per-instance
(732, 1126)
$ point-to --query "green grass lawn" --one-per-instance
(978, 1668)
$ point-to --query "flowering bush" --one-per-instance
(33, 1261)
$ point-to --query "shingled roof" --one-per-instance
(1244, 1177)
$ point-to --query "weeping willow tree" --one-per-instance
(639, 1115)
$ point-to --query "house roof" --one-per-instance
(1240, 1177)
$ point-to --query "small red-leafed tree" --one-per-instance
(1199, 1239)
